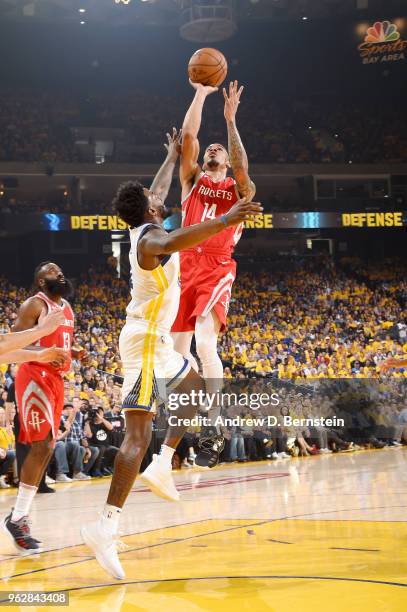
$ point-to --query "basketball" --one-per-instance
(208, 66)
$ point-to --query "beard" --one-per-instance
(56, 287)
(212, 163)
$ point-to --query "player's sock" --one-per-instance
(166, 454)
(25, 496)
(110, 519)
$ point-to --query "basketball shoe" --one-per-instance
(158, 477)
(211, 444)
(19, 532)
(105, 546)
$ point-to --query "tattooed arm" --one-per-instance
(237, 153)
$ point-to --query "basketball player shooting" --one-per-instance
(208, 270)
(40, 392)
(147, 351)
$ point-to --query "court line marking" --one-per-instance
(245, 577)
(124, 535)
(357, 549)
(279, 541)
(174, 541)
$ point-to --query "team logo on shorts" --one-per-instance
(35, 420)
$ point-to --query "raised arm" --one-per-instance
(156, 243)
(189, 167)
(237, 154)
(162, 181)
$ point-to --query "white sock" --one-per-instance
(110, 519)
(166, 453)
(24, 500)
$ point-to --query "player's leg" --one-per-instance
(16, 524)
(182, 344)
(101, 536)
(128, 460)
(183, 327)
(211, 440)
(39, 402)
(206, 336)
(158, 475)
(138, 395)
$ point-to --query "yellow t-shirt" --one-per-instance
(7, 439)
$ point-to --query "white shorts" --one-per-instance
(151, 365)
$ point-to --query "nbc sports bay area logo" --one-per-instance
(382, 43)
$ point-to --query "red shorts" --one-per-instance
(40, 400)
(206, 284)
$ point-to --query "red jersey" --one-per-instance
(209, 199)
(62, 337)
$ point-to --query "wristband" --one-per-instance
(224, 220)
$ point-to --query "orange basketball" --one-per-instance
(208, 66)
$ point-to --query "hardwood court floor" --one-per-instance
(324, 532)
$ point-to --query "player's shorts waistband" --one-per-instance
(208, 251)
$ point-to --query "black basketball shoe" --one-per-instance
(210, 447)
(20, 533)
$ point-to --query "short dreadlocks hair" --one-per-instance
(131, 203)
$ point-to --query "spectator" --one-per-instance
(7, 444)
(72, 445)
(98, 430)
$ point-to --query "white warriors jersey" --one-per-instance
(155, 293)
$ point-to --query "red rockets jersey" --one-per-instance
(209, 199)
(62, 337)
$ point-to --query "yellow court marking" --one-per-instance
(235, 564)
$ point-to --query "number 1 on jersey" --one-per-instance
(209, 213)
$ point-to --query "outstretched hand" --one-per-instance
(205, 89)
(232, 100)
(243, 211)
(174, 144)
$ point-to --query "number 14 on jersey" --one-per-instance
(209, 212)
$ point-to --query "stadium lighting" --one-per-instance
(305, 18)
(83, 22)
(82, 10)
(122, 1)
